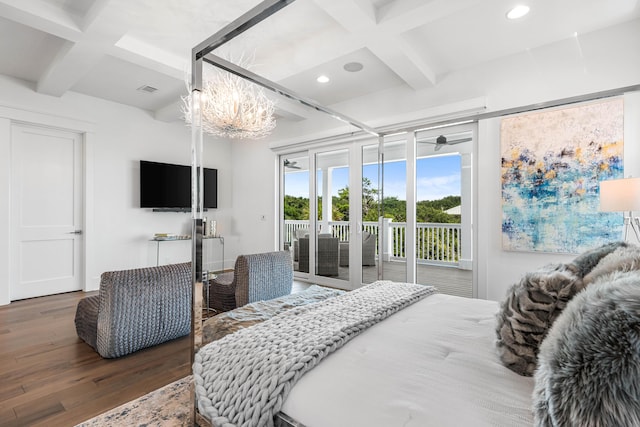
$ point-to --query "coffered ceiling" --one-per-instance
(111, 48)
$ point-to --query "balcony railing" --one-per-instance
(436, 243)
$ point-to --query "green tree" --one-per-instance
(433, 211)
(370, 205)
(394, 208)
(296, 208)
(340, 203)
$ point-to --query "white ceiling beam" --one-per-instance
(93, 12)
(400, 57)
(149, 56)
(41, 16)
(75, 59)
(72, 62)
(352, 15)
(405, 15)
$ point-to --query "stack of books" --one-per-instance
(170, 236)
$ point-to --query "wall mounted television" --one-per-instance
(165, 186)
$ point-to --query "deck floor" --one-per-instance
(448, 280)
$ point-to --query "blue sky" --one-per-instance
(438, 177)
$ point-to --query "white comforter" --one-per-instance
(431, 364)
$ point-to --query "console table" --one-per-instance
(163, 241)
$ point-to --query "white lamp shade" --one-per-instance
(620, 195)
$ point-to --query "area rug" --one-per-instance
(165, 407)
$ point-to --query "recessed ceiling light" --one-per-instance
(353, 67)
(518, 12)
(323, 79)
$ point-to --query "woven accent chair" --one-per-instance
(256, 277)
(135, 309)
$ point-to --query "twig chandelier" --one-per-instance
(233, 107)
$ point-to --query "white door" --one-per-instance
(46, 211)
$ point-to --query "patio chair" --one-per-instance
(368, 250)
(327, 255)
(299, 233)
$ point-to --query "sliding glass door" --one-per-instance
(384, 186)
(330, 253)
(398, 209)
(320, 224)
(443, 209)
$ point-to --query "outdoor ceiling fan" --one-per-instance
(442, 141)
(290, 164)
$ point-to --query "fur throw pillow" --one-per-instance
(589, 364)
(528, 311)
(626, 258)
(532, 305)
(585, 262)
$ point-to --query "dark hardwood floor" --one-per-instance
(49, 377)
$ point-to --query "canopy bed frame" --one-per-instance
(203, 53)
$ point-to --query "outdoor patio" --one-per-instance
(438, 250)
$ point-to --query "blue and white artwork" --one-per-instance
(552, 162)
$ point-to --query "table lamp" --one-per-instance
(622, 195)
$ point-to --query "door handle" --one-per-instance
(75, 232)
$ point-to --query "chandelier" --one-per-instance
(232, 107)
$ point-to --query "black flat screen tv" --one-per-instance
(168, 186)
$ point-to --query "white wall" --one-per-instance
(117, 137)
(252, 228)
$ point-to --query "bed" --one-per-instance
(430, 362)
(562, 348)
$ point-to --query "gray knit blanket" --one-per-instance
(243, 379)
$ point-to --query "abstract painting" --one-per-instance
(552, 162)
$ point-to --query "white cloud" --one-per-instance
(438, 187)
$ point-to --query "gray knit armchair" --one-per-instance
(135, 309)
(256, 277)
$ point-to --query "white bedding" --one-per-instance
(431, 364)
